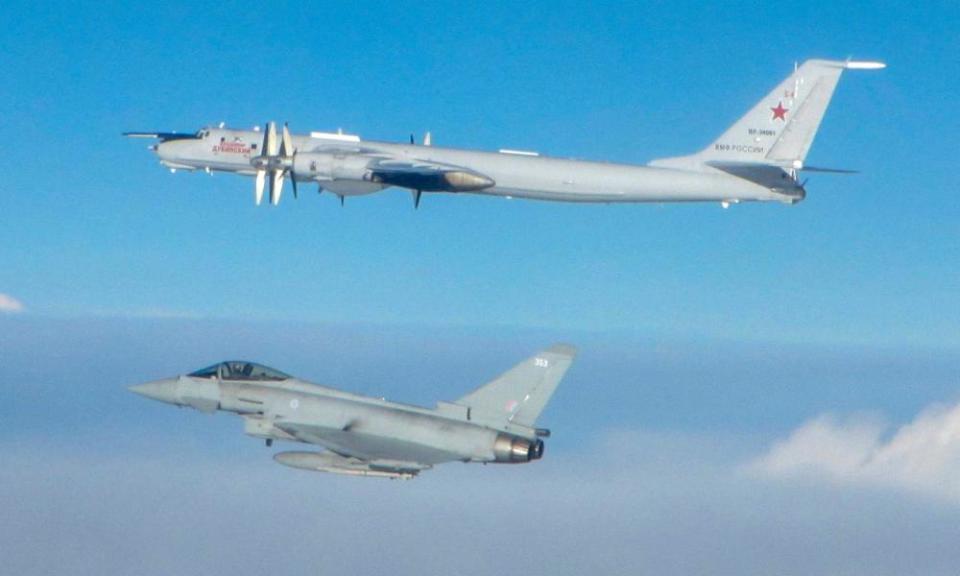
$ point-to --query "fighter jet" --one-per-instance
(759, 158)
(364, 436)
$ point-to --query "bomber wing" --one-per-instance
(350, 160)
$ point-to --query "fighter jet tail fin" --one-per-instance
(781, 127)
(520, 394)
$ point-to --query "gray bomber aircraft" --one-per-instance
(759, 158)
(366, 436)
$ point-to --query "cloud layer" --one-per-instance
(10, 305)
(630, 503)
(921, 456)
(96, 480)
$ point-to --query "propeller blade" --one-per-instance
(416, 198)
(258, 189)
(286, 145)
(271, 139)
(276, 186)
(287, 154)
(264, 151)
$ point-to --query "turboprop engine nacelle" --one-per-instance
(514, 450)
(327, 167)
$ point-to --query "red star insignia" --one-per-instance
(780, 112)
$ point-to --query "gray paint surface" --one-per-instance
(372, 436)
(757, 159)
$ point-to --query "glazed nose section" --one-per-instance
(161, 390)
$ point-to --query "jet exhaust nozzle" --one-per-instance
(514, 450)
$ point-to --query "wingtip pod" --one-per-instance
(864, 65)
(847, 64)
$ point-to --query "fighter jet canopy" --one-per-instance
(240, 370)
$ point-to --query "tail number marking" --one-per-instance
(738, 148)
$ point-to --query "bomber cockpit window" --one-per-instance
(240, 370)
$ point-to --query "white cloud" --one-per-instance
(921, 456)
(10, 305)
(630, 502)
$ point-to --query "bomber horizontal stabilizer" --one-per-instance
(770, 175)
(828, 170)
(764, 174)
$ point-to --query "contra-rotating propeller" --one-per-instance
(275, 163)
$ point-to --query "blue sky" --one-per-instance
(712, 341)
(96, 226)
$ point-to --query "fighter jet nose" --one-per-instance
(161, 390)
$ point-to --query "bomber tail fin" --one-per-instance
(520, 394)
(779, 129)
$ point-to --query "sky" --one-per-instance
(763, 389)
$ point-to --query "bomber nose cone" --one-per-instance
(162, 390)
(165, 150)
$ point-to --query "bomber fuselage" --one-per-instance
(514, 174)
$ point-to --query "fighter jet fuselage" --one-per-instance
(372, 436)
